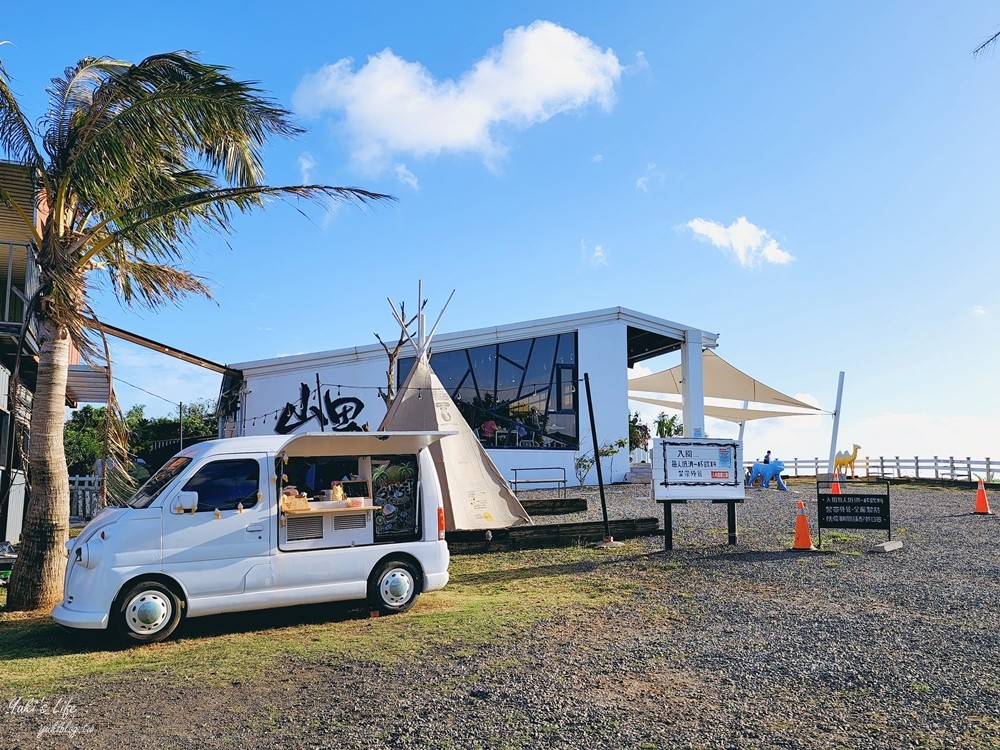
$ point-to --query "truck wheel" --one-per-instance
(393, 586)
(147, 612)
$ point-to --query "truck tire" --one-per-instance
(393, 586)
(147, 612)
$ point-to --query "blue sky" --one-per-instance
(814, 181)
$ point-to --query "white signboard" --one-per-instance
(697, 469)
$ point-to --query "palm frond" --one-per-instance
(152, 284)
(140, 157)
(7, 200)
(158, 230)
(117, 484)
(982, 48)
(16, 138)
(175, 108)
(68, 97)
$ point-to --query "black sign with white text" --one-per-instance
(858, 506)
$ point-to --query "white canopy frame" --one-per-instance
(721, 381)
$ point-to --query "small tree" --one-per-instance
(668, 426)
(638, 433)
(610, 450)
(389, 394)
(83, 439)
(584, 462)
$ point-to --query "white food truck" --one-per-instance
(258, 522)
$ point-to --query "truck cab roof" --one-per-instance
(320, 443)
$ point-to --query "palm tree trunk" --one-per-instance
(37, 578)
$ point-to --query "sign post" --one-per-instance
(692, 469)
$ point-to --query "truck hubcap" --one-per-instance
(148, 612)
(396, 587)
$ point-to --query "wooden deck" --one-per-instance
(549, 535)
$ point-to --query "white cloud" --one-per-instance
(639, 370)
(407, 177)
(640, 64)
(653, 175)
(597, 158)
(306, 165)
(393, 106)
(595, 257)
(979, 310)
(807, 398)
(749, 244)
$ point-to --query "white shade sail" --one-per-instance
(726, 413)
(721, 380)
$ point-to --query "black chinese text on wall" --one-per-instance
(339, 414)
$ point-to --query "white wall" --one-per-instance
(602, 352)
(272, 387)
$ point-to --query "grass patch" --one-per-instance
(490, 597)
(835, 541)
(839, 537)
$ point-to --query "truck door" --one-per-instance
(212, 550)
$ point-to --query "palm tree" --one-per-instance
(129, 160)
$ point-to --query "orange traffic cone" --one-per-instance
(802, 538)
(835, 487)
(982, 504)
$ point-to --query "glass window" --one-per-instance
(516, 351)
(484, 368)
(223, 485)
(510, 393)
(156, 484)
(567, 389)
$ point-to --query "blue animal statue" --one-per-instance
(767, 472)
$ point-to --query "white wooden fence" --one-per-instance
(84, 498)
(937, 467)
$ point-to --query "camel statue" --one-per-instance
(845, 460)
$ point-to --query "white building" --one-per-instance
(520, 386)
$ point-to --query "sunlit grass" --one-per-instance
(490, 597)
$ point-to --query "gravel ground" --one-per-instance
(751, 646)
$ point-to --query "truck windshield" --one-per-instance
(156, 484)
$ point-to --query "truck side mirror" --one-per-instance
(186, 501)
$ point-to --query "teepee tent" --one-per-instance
(476, 496)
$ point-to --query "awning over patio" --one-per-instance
(727, 413)
(722, 381)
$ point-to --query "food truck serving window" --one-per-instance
(224, 485)
(313, 474)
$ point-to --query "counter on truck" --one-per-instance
(260, 522)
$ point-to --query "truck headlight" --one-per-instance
(89, 554)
